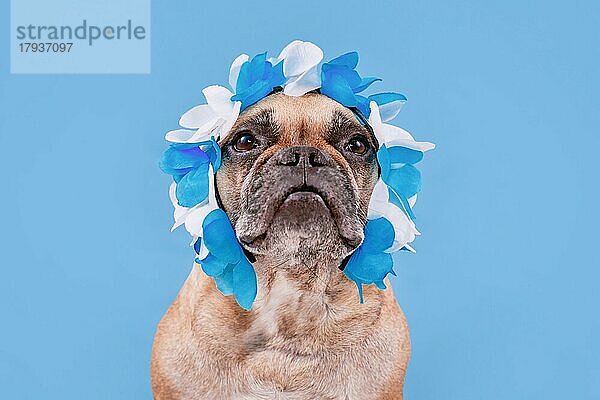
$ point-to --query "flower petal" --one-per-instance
(250, 72)
(197, 116)
(203, 135)
(218, 99)
(195, 219)
(244, 283)
(379, 200)
(192, 189)
(412, 201)
(299, 57)
(407, 143)
(214, 153)
(230, 121)
(197, 243)
(389, 104)
(405, 181)
(365, 83)
(224, 281)
(362, 103)
(401, 202)
(193, 222)
(179, 135)
(404, 155)
(304, 83)
(404, 229)
(176, 161)
(379, 235)
(203, 251)
(213, 266)
(220, 238)
(349, 60)
(352, 77)
(365, 267)
(391, 135)
(285, 50)
(381, 206)
(256, 80)
(257, 91)
(179, 213)
(234, 70)
(337, 88)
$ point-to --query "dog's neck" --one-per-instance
(313, 305)
(314, 278)
(307, 309)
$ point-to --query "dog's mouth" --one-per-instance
(300, 202)
(294, 197)
(306, 194)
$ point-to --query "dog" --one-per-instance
(296, 178)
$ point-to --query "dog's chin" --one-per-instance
(303, 229)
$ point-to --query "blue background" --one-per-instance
(502, 297)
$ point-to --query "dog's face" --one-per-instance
(296, 178)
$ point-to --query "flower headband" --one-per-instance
(194, 156)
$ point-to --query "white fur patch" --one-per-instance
(282, 293)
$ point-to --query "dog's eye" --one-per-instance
(245, 142)
(358, 146)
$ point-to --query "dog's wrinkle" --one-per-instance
(256, 342)
(298, 189)
(321, 281)
(271, 188)
(277, 193)
(341, 126)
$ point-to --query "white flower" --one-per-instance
(214, 119)
(193, 217)
(211, 120)
(301, 67)
(390, 135)
(380, 206)
(234, 70)
(179, 213)
(389, 111)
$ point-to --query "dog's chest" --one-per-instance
(284, 360)
(273, 375)
(276, 375)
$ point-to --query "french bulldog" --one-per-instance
(296, 178)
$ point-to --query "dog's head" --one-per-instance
(296, 178)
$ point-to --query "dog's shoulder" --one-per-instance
(194, 340)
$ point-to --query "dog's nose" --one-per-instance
(305, 156)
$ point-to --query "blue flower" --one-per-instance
(399, 173)
(225, 261)
(257, 78)
(341, 82)
(370, 263)
(188, 163)
(214, 154)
